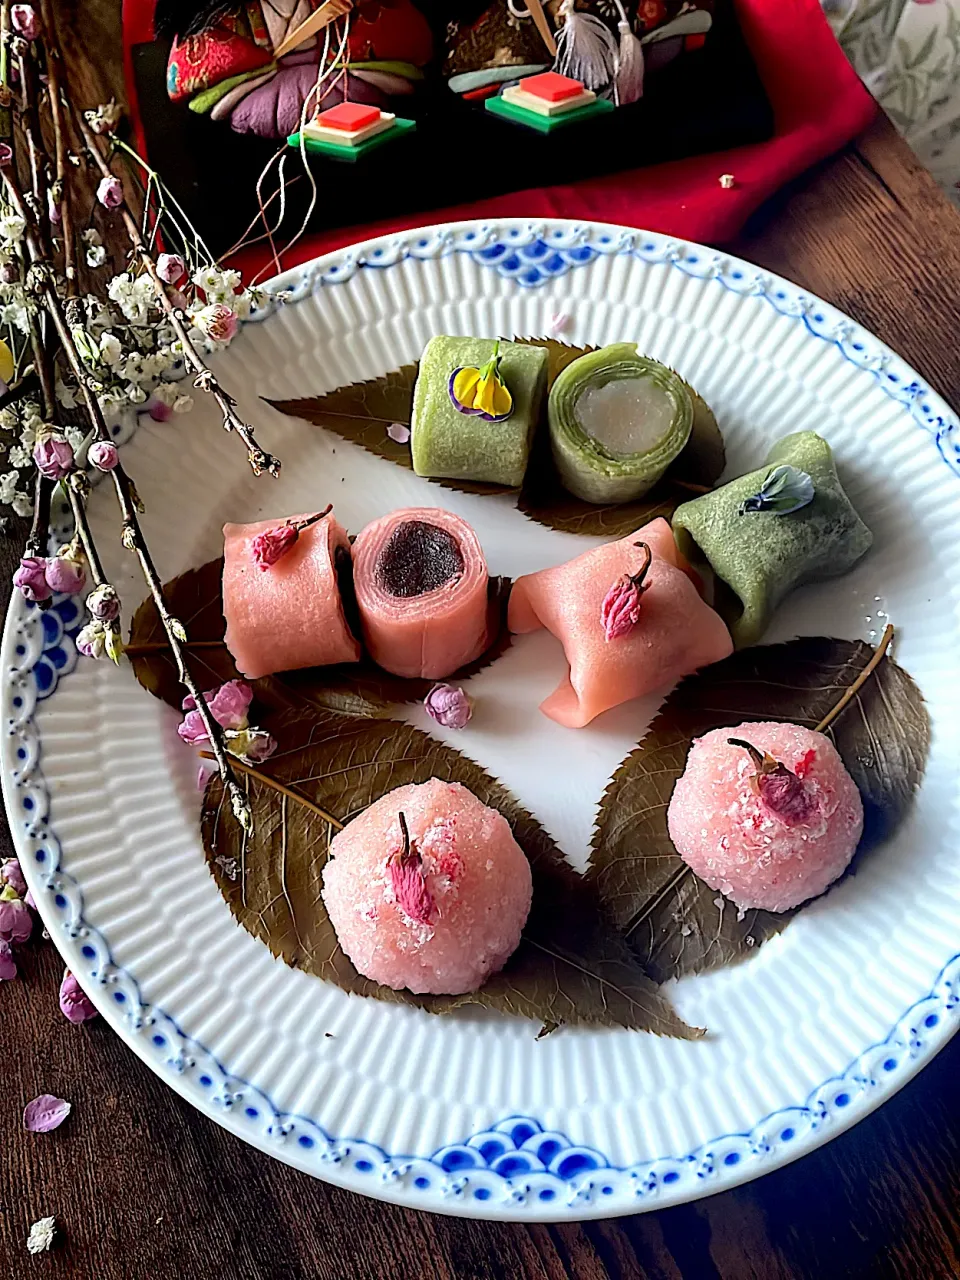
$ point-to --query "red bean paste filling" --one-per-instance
(343, 568)
(418, 558)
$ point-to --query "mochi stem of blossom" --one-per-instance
(620, 611)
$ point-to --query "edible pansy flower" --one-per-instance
(481, 391)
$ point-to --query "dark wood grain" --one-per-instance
(148, 1189)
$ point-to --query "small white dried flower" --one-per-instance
(12, 227)
(183, 404)
(41, 1235)
(727, 180)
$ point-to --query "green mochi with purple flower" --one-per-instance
(787, 523)
(453, 440)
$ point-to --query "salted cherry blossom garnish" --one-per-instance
(268, 547)
(405, 875)
(620, 610)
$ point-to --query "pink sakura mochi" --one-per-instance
(469, 903)
(675, 634)
(755, 854)
(289, 615)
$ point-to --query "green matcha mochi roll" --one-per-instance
(617, 421)
(774, 529)
(475, 409)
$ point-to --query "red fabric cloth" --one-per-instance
(819, 104)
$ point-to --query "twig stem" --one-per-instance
(290, 792)
(862, 678)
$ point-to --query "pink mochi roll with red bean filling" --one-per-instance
(674, 632)
(421, 584)
(289, 614)
(433, 901)
(771, 819)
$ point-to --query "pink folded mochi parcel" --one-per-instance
(676, 632)
(459, 920)
(291, 614)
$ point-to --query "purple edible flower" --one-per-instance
(44, 1113)
(448, 705)
(66, 576)
(31, 579)
(53, 457)
(16, 922)
(8, 966)
(75, 1004)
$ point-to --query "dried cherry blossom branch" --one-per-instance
(62, 191)
(204, 379)
(41, 282)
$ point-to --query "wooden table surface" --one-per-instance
(147, 1188)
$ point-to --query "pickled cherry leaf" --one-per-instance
(358, 689)
(672, 919)
(362, 411)
(571, 966)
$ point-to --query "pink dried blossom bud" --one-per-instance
(53, 457)
(406, 879)
(6, 159)
(620, 610)
(159, 410)
(170, 267)
(103, 603)
(192, 730)
(110, 193)
(24, 21)
(31, 579)
(448, 705)
(103, 455)
(230, 703)
(66, 576)
(269, 546)
(9, 272)
(217, 321)
(8, 966)
(75, 1004)
(92, 640)
(11, 873)
(781, 790)
(16, 922)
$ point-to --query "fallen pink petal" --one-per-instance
(75, 1004)
(44, 1113)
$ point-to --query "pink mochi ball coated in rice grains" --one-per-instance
(474, 882)
(732, 839)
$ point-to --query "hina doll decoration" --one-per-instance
(265, 66)
(548, 101)
(350, 130)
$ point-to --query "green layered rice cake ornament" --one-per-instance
(774, 529)
(475, 409)
(617, 421)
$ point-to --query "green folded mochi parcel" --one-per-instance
(617, 421)
(762, 555)
(449, 444)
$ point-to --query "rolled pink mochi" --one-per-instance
(734, 841)
(430, 633)
(290, 615)
(676, 632)
(476, 873)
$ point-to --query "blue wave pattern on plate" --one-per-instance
(517, 1160)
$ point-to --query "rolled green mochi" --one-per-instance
(448, 444)
(762, 556)
(617, 421)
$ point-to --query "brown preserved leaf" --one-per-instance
(362, 411)
(358, 689)
(674, 921)
(571, 966)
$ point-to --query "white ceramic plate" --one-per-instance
(470, 1114)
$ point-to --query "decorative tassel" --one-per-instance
(586, 49)
(628, 84)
